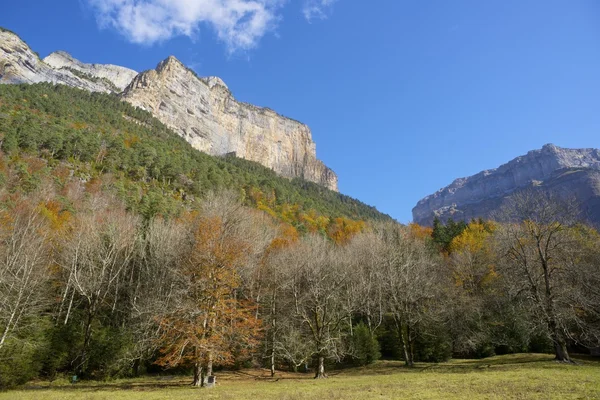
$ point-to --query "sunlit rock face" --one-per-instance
(19, 64)
(202, 110)
(205, 113)
(573, 172)
(118, 76)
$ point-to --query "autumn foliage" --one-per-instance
(210, 321)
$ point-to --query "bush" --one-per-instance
(21, 356)
(434, 346)
(365, 345)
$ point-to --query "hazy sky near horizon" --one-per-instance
(402, 96)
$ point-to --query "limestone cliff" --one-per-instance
(19, 64)
(202, 110)
(572, 171)
(118, 76)
(205, 113)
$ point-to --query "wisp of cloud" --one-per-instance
(239, 24)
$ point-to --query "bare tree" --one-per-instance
(537, 246)
(365, 255)
(410, 282)
(95, 259)
(318, 284)
(152, 284)
(24, 262)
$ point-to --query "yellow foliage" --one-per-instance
(472, 255)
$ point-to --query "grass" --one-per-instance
(519, 376)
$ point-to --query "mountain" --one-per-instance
(20, 64)
(202, 110)
(52, 133)
(566, 171)
(118, 76)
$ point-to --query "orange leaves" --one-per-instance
(55, 214)
(34, 164)
(343, 229)
(210, 321)
(93, 186)
(420, 232)
(309, 221)
(214, 245)
(287, 236)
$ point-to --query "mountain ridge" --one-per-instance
(480, 194)
(200, 109)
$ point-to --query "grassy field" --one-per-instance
(520, 376)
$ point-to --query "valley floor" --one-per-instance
(519, 376)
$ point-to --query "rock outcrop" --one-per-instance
(569, 171)
(205, 113)
(201, 110)
(19, 64)
(118, 76)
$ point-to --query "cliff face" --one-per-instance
(201, 110)
(573, 171)
(19, 64)
(118, 76)
(205, 113)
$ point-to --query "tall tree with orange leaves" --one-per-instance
(211, 322)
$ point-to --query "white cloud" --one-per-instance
(240, 24)
(317, 9)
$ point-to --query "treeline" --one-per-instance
(154, 170)
(124, 251)
(98, 291)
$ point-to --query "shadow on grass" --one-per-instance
(506, 362)
(457, 366)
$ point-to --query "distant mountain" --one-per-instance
(202, 110)
(573, 172)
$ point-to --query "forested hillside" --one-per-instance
(155, 171)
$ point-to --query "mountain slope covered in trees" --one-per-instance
(96, 134)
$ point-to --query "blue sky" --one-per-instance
(403, 96)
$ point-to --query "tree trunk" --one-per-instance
(272, 362)
(560, 345)
(320, 373)
(411, 347)
(136, 367)
(87, 337)
(405, 346)
(197, 374)
(70, 306)
(209, 369)
(561, 352)
(273, 326)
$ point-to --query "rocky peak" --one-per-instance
(118, 76)
(205, 113)
(465, 197)
(19, 64)
(200, 109)
(213, 81)
(168, 63)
